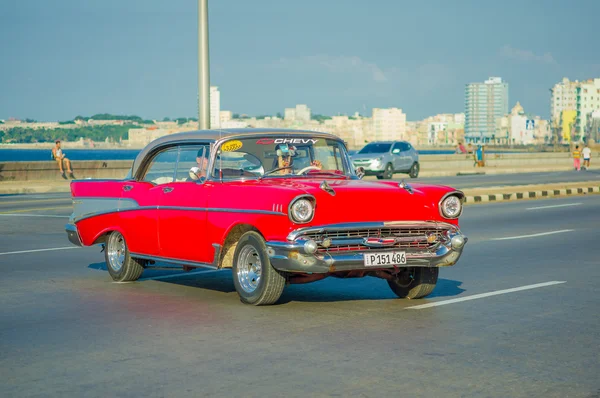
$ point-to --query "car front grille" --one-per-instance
(418, 238)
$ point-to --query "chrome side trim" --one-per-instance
(213, 265)
(368, 225)
(460, 195)
(210, 210)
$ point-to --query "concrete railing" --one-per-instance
(430, 165)
(48, 171)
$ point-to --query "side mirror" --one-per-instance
(396, 151)
(360, 172)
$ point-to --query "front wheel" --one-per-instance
(414, 283)
(414, 170)
(388, 173)
(255, 280)
(121, 266)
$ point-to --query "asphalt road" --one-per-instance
(524, 322)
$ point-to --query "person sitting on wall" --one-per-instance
(61, 159)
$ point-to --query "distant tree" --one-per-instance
(147, 121)
(279, 115)
(320, 118)
(166, 119)
(67, 122)
(30, 120)
(235, 116)
(261, 117)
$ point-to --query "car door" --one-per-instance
(182, 210)
(397, 156)
(138, 207)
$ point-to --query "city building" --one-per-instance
(593, 126)
(215, 107)
(389, 124)
(563, 98)
(300, 113)
(484, 103)
(571, 105)
(518, 128)
(588, 101)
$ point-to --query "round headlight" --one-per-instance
(451, 207)
(302, 210)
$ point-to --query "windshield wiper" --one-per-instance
(313, 172)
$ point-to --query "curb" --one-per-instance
(501, 197)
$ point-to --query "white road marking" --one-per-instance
(554, 206)
(32, 215)
(534, 235)
(482, 295)
(210, 271)
(40, 250)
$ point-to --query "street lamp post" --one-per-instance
(203, 67)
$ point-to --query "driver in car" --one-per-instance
(285, 159)
(198, 172)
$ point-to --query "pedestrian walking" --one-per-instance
(577, 158)
(587, 154)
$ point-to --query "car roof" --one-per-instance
(215, 135)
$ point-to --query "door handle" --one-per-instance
(127, 187)
(167, 189)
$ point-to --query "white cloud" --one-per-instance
(526, 55)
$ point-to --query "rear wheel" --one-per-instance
(255, 280)
(414, 283)
(414, 170)
(121, 266)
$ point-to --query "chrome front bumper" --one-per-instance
(73, 234)
(292, 257)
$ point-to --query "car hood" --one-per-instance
(367, 201)
(367, 156)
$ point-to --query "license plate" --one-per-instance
(384, 258)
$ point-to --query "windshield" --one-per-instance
(376, 148)
(285, 156)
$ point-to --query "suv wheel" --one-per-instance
(388, 173)
(414, 170)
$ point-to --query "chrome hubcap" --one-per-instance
(249, 269)
(116, 251)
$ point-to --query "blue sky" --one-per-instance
(64, 58)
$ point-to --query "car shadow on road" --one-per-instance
(332, 289)
(327, 290)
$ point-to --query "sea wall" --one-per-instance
(430, 165)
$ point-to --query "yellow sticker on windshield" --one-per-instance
(231, 146)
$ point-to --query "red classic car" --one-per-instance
(276, 206)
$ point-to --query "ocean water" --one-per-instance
(36, 155)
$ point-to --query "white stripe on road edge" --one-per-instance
(482, 295)
(40, 250)
(535, 235)
(210, 271)
(32, 215)
(553, 206)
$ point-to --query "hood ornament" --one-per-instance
(404, 185)
(325, 187)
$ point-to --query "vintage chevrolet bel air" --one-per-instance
(275, 206)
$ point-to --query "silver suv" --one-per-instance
(384, 158)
